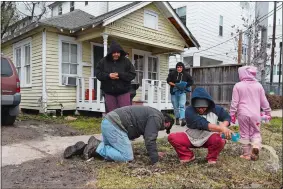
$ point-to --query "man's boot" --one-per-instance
(90, 149)
(76, 149)
(177, 121)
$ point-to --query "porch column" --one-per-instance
(105, 40)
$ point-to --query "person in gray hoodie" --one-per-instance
(122, 125)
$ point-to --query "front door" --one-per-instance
(98, 54)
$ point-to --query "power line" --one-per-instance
(242, 32)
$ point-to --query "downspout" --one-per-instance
(44, 93)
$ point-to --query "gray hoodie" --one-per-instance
(137, 121)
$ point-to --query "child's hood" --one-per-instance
(247, 73)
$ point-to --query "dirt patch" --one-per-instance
(32, 129)
(53, 172)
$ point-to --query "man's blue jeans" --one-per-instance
(179, 102)
(116, 144)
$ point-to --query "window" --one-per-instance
(150, 20)
(72, 6)
(60, 9)
(181, 12)
(22, 61)
(139, 65)
(69, 60)
(278, 70)
(152, 68)
(221, 25)
(6, 70)
(86, 3)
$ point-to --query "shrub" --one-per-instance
(275, 101)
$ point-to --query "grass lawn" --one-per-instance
(229, 172)
(87, 125)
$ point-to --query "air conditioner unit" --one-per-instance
(69, 80)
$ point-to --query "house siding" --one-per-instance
(132, 27)
(112, 5)
(56, 94)
(203, 22)
(31, 96)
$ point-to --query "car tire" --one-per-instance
(9, 120)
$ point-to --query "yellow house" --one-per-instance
(56, 57)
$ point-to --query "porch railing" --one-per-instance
(155, 93)
(88, 87)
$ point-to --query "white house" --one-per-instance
(211, 23)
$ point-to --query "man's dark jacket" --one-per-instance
(124, 68)
(141, 120)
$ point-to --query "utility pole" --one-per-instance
(273, 45)
(249, 48)
(280, 65)
(240, 47)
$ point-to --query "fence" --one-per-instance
(275, 88)
(217, 80)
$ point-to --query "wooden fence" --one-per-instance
(217, 80)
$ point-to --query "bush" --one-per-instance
(275, 101)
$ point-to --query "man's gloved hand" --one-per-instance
(233, 119)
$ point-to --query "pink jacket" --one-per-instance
(248, 94)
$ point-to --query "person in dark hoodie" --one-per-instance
(179, 100)
(203, 128)
(115, 72)
(119, 127)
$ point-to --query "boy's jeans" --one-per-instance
(116, 144)
(179, 102)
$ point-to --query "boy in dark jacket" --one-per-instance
(125, 124)
(203, 129)
(115, 72)
(179, 99)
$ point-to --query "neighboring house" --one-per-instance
(56, 57)
(211, 23)
(94, 8)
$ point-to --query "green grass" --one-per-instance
(87, 125)
(229, 172)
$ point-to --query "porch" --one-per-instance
(155, 93)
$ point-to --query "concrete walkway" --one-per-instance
(14, 154)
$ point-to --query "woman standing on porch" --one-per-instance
(115, 72)
(178, 92)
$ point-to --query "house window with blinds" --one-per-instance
(69, 61)
(152, 68)
(139, 66)
(60, 9)
(72, 6)
(151, 19)
(22, 60)
(221, 25)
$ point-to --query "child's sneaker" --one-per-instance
(245, 157)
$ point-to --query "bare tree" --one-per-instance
(9, 15)
(35, 9)
(254, 31)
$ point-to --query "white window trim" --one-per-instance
(150, 12)
(72, 40)
(21, 44)
(146, 54)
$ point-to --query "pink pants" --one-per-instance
(249, 132)
(182, 145)
(114, 102)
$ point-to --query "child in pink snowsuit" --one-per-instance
(247, 99)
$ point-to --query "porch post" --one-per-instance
(105, 40)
